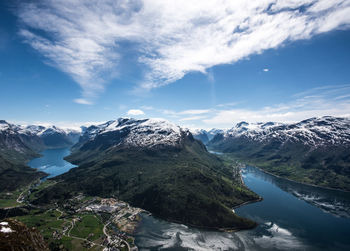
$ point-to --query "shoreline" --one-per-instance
(219, 229)
(298, 182)
(275, 175)
(249, 202)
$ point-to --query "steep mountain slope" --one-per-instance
(213, 132)
(19, 144)
(14, 153)
(155, 165)
(314, 151)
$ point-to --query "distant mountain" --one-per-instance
(19, 144)
(52, 136)
(157, 166)
(314, 151)
(212, 133)
(205, 136)
(201, 135)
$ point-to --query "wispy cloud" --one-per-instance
(85, 38)
(194, 112)
(230, 104)
(319, 101)
(193, 118)
(82, 101)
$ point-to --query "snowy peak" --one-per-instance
(242, 124)
(39, 137)
(201, 135)
(4, 125)
(147, 133)
(313, 131)
(33, 129)
(204, 135)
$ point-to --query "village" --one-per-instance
(115, 222)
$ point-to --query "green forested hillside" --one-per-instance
(185, 184)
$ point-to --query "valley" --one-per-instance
(72, 214)
(151, 173)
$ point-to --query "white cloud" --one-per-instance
(266, 70)
(192, 118)
(82, 101)
(135, 112)
(85, 39)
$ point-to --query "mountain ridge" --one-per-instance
(313, 151)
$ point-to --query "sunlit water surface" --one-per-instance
(292, 216)
(52, 162)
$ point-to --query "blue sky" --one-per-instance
(199, 65)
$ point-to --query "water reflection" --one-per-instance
(331, 201)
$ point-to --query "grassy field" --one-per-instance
(48, 222)
(9, 202)
(89, 224)
(9, 199)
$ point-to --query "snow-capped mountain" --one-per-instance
(35, 137)
(12, 141)
(147, 133)
(314, 131)
(201, 135)
(315, 150)
(211, 133)
(204, 135)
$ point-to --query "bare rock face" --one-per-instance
(14, 235)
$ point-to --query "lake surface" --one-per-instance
(52, 162)
(292, 216)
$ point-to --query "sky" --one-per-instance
(200, 64)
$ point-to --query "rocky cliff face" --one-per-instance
(14, 236)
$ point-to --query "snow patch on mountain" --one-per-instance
(139, 133)
(314, 131)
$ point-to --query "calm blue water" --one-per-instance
(52, 162)
(292, 216)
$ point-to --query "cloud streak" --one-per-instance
(322, 101)
(86, 39)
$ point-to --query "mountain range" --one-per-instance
(205, 135)
(314, 151)
(163, 168)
